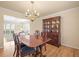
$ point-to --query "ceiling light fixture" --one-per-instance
(32, 14)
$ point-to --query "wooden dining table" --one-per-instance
(33, 41)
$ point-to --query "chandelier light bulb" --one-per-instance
(27, 10)
(37, 14)
(32, 14)
(35, 11)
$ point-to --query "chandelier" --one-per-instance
(32, 14)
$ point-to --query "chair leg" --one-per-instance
(14, 52)
(40, 51)
(45, 47)
(34, 54)
(17, 53)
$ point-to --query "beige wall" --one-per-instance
(4, 11)
(1, 31)
(36, 25)
(69, 26)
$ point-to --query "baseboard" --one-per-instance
(75, 47)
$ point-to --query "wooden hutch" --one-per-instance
(52, 27)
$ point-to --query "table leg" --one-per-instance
(39, 51)
(41, 54)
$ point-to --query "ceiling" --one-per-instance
(43, 7)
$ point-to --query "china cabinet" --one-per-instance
(52, 27)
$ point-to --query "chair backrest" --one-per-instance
(37, 33)
(17, 43)
(44, 35)
(15, 37)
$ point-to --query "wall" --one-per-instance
(1, 31)
(3, 12)
(36, 25)
(69, 26)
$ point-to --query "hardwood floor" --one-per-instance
(51, 51)
(62, 51)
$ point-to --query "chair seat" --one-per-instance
(27, 49)
(22, 45)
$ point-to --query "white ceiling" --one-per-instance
(43, 7)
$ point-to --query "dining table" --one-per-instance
(33, 41)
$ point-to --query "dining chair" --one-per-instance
(21, 50)
(15, 43)
(37, 33)
(39, 48)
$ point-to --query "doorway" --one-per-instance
(14, 24)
